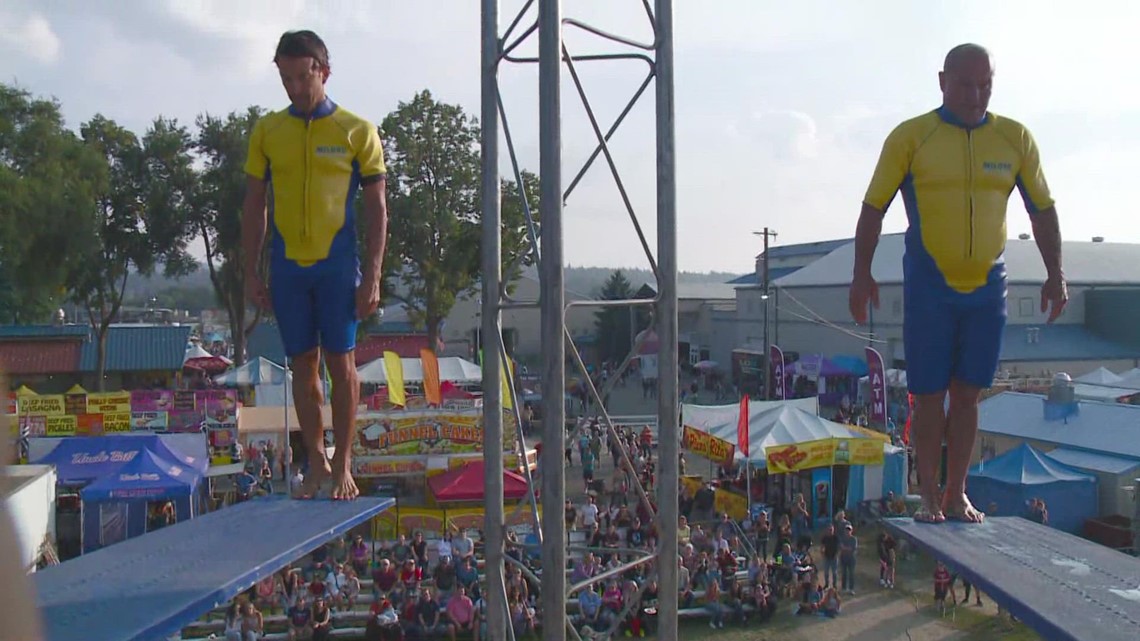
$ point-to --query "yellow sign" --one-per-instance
(62, 425)
(714, 449)
(47, 405)
(823, 453)
(736, 505)
(109, 403)
(117, 422)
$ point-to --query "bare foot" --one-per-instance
(316, 477)
(344, 486)
(929, 511)
(959, 508)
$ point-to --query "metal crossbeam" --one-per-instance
(552, 55)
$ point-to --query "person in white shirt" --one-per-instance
(589, 514)
(296, 482)
(443, 547)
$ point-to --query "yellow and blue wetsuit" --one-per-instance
(314, 165)
(955, 182)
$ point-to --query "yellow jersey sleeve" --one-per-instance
(257, 163)
(893, 166)
(1031, 178)
(370, 156)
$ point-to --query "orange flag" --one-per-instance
(431, 377)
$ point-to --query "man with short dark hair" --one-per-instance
(313, 158)
(956, 167)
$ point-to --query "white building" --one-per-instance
(809, 308)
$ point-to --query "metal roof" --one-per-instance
(1092, 461)
(33, 357)
(1102, 428)
(1059, 342)
(698, 291)
(265, 341)
(139, 348)
(806, 249)
(1086, 263)
(43, 331)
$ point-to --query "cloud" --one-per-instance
(30, 36)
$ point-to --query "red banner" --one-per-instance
(776, 371)
(742, 427)
(877, 379)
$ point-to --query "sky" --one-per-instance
(781, 108)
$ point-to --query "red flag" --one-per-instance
(742, 427)
(909, 414)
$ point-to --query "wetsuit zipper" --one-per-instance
(305, 221)
(970, 190)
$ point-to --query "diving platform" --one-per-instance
(148, 588)
(1064, 587)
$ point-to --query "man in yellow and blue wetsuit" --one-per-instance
(313, 157)
(956, 168)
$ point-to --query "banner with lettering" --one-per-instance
(42, 405)
(735, 505)
(715, 449)
(823, 453)
(388, 466)
(223, 443)
(426, 431)
(109, 403)
(152, 400)
(776, 370)
(149, 421)
(877, 380)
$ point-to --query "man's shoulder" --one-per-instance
(1008, 127)
(273, 119)
(918, 127)
(350, 120)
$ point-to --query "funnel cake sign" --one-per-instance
(424, 432)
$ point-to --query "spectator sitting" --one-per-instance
(831, 603)
(461, 613)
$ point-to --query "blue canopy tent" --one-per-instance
(79, 460)
(116, 506)
(1023, 473)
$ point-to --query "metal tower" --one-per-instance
(553, 56)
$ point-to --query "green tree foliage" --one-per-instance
(432, 152)
(48, 182)
(613, 323)
(222, 145)
(140, 218)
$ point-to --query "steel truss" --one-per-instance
(553, 53)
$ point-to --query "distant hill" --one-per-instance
(581, 280)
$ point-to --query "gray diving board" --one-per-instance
(1064, 587)
(150, 587)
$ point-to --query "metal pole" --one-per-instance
(497, 618)
(666, 314)
(553, 323)
(768, 385)
(285, 447)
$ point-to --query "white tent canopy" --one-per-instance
(895, 378)
(196, 351)
(451, 368)
(769, 424)
(259, 371)
(1099, 376)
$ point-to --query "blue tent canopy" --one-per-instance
(146, 477)
(1024, 473)
(82, 459)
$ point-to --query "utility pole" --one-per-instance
(766, 281)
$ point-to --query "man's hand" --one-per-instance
(367, 297)
(1056, 294)
(864, 291)
(256, 291)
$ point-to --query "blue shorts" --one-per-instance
(948, 335)
(315, 306)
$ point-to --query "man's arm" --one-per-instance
(1047, 233)
(867, 233)
(376, 234)
(253, 223)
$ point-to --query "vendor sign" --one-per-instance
(715, 449)
(109, 403)
(823, 453)
(425, 432)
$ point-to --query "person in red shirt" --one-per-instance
(942, 586)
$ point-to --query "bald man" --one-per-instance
(956, 167)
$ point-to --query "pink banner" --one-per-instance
(776, 356)
(877, 379)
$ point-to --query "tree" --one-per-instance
(614, 324)
(222, 145)
(140, 218)
(432, 152)
(48, 179)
